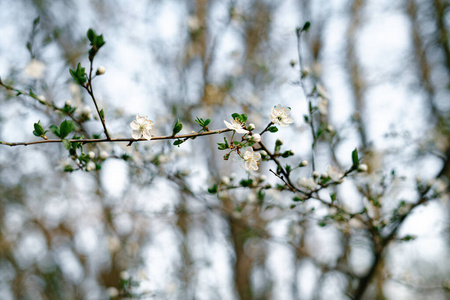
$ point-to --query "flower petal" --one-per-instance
(136, 134)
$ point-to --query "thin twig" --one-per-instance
(90, 91)
(130, 140)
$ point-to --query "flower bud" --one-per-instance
(225, 180)
(41, 97)
(363, 168)
(325, 175)
(315, 174)
(251, 126)
(90, 166)
(124, 275)
(101, 70)
(304, 163)
(91, 154)
(68, 102)
(256, 137)
(103, 155)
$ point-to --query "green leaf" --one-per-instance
(68, 168)
(66, 143)
(91, 35)
(207, 121)
(79, 75)
(297, 198)
(213, 189)
(306, 26)
(102, 114)
(243, 118)
(246, 182)
(177, 127)
(55, 130)
(235, 116)
(38, 130)
(65, 128)
(272, 129)
(355, 158)
(178, 143)
(333, 197)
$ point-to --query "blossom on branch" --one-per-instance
(35, 69)
(308, 183)
(281, 115)
(236, 126)
(141, 128)
(251, 159)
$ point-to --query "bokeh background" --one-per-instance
(144, 226)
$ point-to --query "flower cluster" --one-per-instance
(281, 115)
(141, 128)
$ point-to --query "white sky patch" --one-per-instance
(168, 21)
(114, 176)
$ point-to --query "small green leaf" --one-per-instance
(102, 114)
(38, 130)
(333, 197)
(243, 118)
(55, 130)
(66, 144)
(213, 189)
(177, 127)
(235, 116)
(68, 168)
(297, 198)
(355, 158)
(272, 129)
(246, 182)
(207, 121)
(65, 128)
(306, 26)
(178, 143)
(91, 35)
(79, 75)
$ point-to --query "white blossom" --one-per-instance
(141, 128)
(103, 155)
(251, 159)
(236, 126)
(281, 115)
(308, 183)
(35, 69)
(90, 166)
